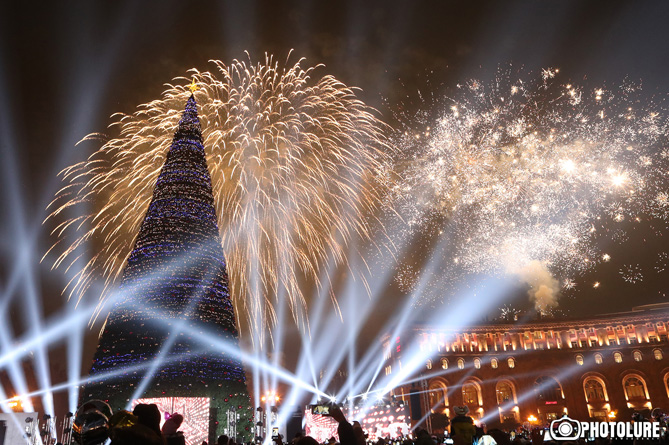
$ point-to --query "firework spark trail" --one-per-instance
(300, 162)
(533, 173)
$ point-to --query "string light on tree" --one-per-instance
(175, 276)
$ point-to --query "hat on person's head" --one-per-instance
(461, 410)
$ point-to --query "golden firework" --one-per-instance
(298, 166)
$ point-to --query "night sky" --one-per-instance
(65, 67)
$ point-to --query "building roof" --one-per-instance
(638, 314)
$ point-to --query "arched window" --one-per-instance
(504, 392)
(494, 363)
(470, 394)
(477, 363)
(461, 363)
(657, 353)
(444, 363)
(511, 362)
(579, 359)
(598, 358)
(637, 356)
(617, 357)
(594, 390)
(547, 389)
(438, 395)
(635, 387)
(428, 364)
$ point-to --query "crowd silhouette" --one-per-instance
(95, 424)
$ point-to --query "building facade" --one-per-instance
(511, 373)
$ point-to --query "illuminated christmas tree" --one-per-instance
(173, 294)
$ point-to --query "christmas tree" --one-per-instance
(175, 284)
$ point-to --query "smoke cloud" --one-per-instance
(544, 288)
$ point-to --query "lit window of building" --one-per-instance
(547, 389)
(428, 364)
(444, 363)
(617, 357)
(637, 356)
(594, 390)
(511, 362)
(494, 363)
(657, 353)
(635, 387)
(438, 395)
(579, 359)
(461, 363)
(598, 358)
(504, 392)
(470, 394)
(477, 363)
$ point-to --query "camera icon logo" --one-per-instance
(565, 429)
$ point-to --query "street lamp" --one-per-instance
(270, 396)
(15, 404)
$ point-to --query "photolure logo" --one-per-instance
(569, 429)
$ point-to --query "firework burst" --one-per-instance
(297, 164)
(509, 313)
(661, 262)
(522, 173)
(631, 273)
